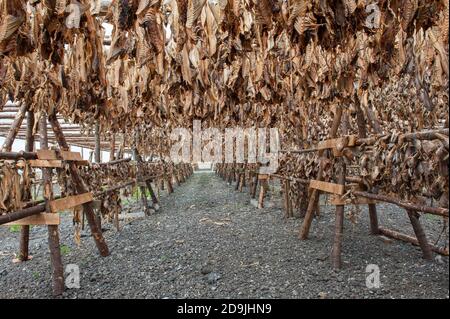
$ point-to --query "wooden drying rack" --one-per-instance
(345, 185)
(46, 212)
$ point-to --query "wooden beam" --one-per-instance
(11, 217)
(71, 156)
(408, 206)
(46, 155)
(46, 163)
(39, 219)
(410, 239)
(66, 203)
(327, 187)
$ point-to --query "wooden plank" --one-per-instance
(71, 156)
(70, 202)
(46, 163)
(46, 155)
(327, 187)
(39, 219)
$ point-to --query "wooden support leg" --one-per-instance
(304, 232)
(152, 193)
(238, 180)
(286, 198)
(169, 185)
(420, 234)
(144, 200)
(97, 152)
(339, 223)
(255, 185)
(177, 179)
(25, 230)
(112, 147)
(81, 189)
(231, 175)
(262, 193)
(374, 229)
(53, 232)
(303, 204)
(241, 182)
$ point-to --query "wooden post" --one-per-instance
(314, 197)
(242, 181)
(287, 198)
(97, 159)
(303, 207)
(420, 234)
(138, 159)
(81, 189)
(362, 133)
(339, 222)
(9, 140)
(53, 232)
(254, 185)
(97, 143)
(112, 147)
(25, 230)
(262, 192)
(374, 228)
(238, 177)
(168, 178)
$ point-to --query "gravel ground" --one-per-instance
(208, 241)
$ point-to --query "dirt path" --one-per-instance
(208, 241)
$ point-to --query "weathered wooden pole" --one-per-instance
(26, 212)
(412, 240)
(138, 159)
(15, 127)
(53, 232)
(152, 194)
(25, 230)
(237, 176)
(362, 133)
(112, 147)
(287, 198)
(420, 234)
(254, 185)
(97, 151)
(339, 221)
(81, 189)
(98, 160)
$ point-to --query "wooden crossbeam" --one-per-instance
(327, 187)
(46, 155)
(66, 203)
(71, 156)
(45, 163)
(39, 219)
